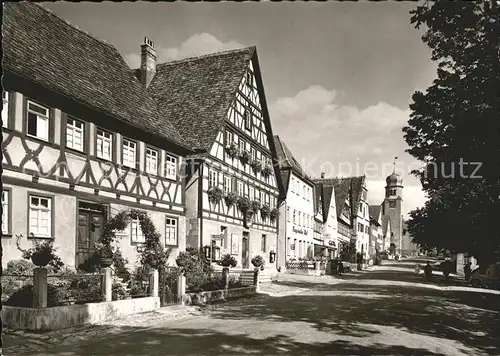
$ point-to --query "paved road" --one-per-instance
(364, 313)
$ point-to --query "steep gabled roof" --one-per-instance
(327, 191)
(197, 93)
(317, 197)
(374, 211)
(341, 187)
(47, 50)
(357, 184)
(287, 163)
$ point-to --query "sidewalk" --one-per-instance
(26, 340)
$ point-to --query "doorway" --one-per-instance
(91, 219)
(245, 263)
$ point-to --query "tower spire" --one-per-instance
(394, 165)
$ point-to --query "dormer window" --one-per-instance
(249, 79)
(247, 118)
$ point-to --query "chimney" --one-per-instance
(148, 62)
(322, 175)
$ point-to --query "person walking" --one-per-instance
(467, 271)
(428, 271)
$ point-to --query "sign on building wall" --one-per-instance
(235, 244)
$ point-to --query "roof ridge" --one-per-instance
(76, 27)
(204, 56)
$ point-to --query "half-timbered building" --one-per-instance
(376, 240)
(82, 141)
(296, 230)
(218, 104)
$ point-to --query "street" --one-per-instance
(385, 311)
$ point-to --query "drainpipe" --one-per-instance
(200, 200)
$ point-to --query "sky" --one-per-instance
(338, 76)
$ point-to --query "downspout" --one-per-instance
(200, 200)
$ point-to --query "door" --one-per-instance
(245, 257)
(90, 225)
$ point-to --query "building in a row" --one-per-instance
(85, 137)
(82, 140)
(327, 243)
(297, 208)
(376, 234)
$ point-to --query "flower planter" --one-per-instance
(41, 259)
(106, 261)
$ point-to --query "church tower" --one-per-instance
(392, 208)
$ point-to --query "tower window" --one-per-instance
(393, 191)
(392, 204)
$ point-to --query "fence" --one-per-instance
(306, 267)
(41, 290)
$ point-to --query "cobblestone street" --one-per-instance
(378, 312)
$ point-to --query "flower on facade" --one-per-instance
(273, 214)
(244, 157)
(232, 150)
(265, 210)
(256, 165)
(255, 205)
(267, 170)
(215, 195)
(230, 199)
(244, 204)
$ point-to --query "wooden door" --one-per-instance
(90, 224)
(245, 256)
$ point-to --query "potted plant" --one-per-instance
(273, 214)
(230, 199)
(265, 210)
(232, 150)
(105, 252)
(244, 157)
(258, 262)
(215, 195)
(255, 205)
(267, 170)
(244, 204)
(256, 165)
(228, 261)
(42, 254)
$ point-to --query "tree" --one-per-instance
(454, 129)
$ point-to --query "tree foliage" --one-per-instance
(454, 129)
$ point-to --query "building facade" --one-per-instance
(362, 216)
(376, 234)
(217, 101)
(81, 142)
(327, 243)
(296, 228)
(392, 211)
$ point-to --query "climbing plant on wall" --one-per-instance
(154, 253)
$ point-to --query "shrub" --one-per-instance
(118, 291)
(23, 297)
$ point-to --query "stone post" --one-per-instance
(318, 268)
(181, 287)
(154, 283)
(107, 284)
(256, 280)
(40, 288)
(225, 277)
